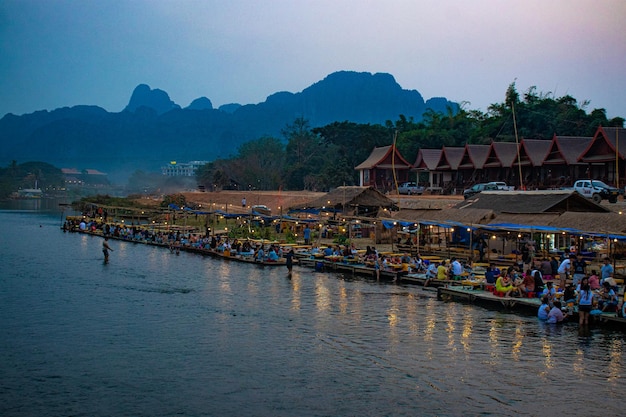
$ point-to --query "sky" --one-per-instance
(58, 53)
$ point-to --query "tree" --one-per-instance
(303, 153)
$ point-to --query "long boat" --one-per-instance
(203, 251)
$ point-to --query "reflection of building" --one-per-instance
(182, 169)
(29, 193)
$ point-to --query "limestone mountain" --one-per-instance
(153, 130)
(156, 99)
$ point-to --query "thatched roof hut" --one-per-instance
(601, 223)
(352, 200)
(465, 216)
(556, 209)
(530, 202)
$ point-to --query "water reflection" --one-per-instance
(192, 334)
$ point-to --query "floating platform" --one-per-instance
(521, 304)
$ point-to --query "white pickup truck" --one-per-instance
(596, 190)
(410, 188)
(501, 186)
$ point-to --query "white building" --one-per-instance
(182, 169)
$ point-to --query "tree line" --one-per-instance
(321, 158)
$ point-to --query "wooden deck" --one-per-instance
(524, 305)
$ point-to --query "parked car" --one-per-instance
(410, 188)
(261, 209)
(596, 190)
(477, 188)
(501, 185)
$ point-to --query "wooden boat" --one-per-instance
(228, 255)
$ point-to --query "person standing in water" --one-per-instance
(105, 249)
(289, 263)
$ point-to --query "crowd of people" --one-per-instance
(591, 291)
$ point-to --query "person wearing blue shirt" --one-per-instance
(272, 256)
(260, 255)
(307, 235)
(606, 271)
(544, 309)
(492, 274)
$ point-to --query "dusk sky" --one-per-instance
(57, 53)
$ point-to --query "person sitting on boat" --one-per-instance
(505, 285)
(528, 282)
(431, 273)
(417, 263)
(607, 298)
(328, 251)
(555, 315)
(491, 274)
(539, 285)
(259, 256)
(544, 308)
(549, 291)
(456, 269)
(442, 271)
(272, 255)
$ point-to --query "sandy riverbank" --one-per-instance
(277, 200)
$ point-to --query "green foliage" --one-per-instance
(107, 200)
(341, 240)
(28, 175)
(178, 199)
(324, 157)
(290, 237)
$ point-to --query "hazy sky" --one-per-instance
(57, 53)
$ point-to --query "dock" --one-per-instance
(523, 305)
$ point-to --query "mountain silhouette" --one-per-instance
(156, 99)
(153, 130)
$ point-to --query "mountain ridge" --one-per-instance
(152, 129)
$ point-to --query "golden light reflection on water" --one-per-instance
(430, 327)
(468, 325)
(393, 319)
(296, 293)
(412, 315)
(546, 349)
(451, 329)
(343, 300)
(517, 343)
(495, 337)
(616, 361)
(323, 299)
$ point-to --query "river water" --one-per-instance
(153, 333)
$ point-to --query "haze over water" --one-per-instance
(152, 333)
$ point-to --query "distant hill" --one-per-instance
(153, 130)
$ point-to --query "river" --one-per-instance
(153, 333)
